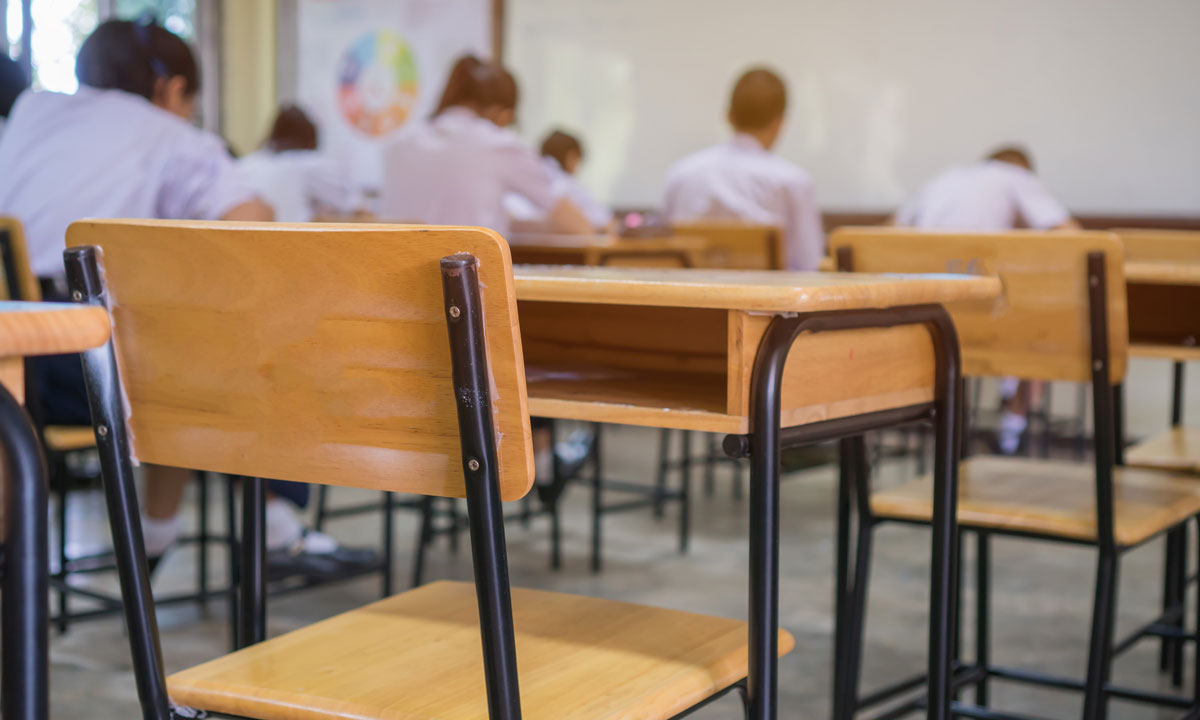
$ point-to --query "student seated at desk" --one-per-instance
(456, 168)
(999, 193)
(122, 146)
(12, 83)
(294, 177)
(743, 180)
(561, 154)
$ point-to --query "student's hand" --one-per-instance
(567, 219)
(254, 210)
(1070, 224)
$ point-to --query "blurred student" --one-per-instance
(122, 146)
(562, 154)
(999, 193)
(294, 177)
(13, 82)
(456, 168)
(742, 180)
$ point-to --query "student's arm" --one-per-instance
(254, 210)
(804, 233)
(566, 218)
(1070, 224)
(1039, 209)
(524, 173)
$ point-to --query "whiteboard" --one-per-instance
(364, 68)
(883, 93)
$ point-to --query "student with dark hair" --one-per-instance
(122, 146)
(742, 180)
(456, 168)
(1000, 192)
(12, 83)
(299, 181)
(562, 154)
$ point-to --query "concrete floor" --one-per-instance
(1042, 592)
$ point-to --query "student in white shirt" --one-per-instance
(561, 154)
(999, 193)
(456, 168)
(12, 83)
(123, 147)
(743, 180)
(293, 176)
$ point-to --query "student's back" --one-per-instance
(743, 180)
(999, 193)
(106, 153)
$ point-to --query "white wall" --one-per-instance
(883, 92)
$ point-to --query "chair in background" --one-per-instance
(1173, 336)
(319, 353)
(1062, 317)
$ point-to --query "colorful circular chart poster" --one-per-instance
(377, 83)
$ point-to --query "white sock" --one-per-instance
(160, 535)
(1012, 426)
(284, 529)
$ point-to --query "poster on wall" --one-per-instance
(368, 67)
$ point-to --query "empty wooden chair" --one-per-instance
(735, 246)
(371, 356)
(1062, 317)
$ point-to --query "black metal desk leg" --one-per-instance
(26, 585)
(252, 610)
(841, 590)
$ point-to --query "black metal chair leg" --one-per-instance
(1180, 605)
(983, 613)
(389, 556)
(322, 508)
(235, 567)
(685, 492)
(1170, 552)
(424, 534)
(664, 461)
(858, 614)
(455, 527)
(597, 501)
(841, 588)
(202, 537)
(64, 597)
(25, 653)
(1095, 701)
(710, 465)
(252, 588)
(1196, 644)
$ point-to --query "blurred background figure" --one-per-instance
(298, 180)
(13, 82)
(742, 180)
(1001, 192)
(562, 153)
(456, 168)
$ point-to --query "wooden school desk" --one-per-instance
(747, 353)
(30, 329)
(673, 251)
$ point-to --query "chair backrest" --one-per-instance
(1160, 245)
(734, 246)
(308, 352)
(17, 281)
(1039, 328)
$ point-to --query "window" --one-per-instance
(178, 16)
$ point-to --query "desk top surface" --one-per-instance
(50, 328)
(1155, 272)
(605, 242)
(750, 290)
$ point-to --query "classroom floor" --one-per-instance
(1042, 592)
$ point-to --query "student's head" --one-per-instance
(1013, 155)
(141, 58)
(484, 87)
(292, 130)
(565, 149)
(757, 105)
(12, 83)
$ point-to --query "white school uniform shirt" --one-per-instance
(456, 169)
(991, 195)
(520, 208)
(743, 181)
(106, 154)
(298, 183)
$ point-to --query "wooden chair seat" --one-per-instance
(65, 438)
(417, 656)
(1177, 450)
(1050, 498)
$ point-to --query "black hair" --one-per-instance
(292, 130)
(12, 83)
(134, 56)
(476, 84)
(559, 144)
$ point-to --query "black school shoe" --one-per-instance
(340, 562)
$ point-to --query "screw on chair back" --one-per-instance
(314, 353)
(1039, 328)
